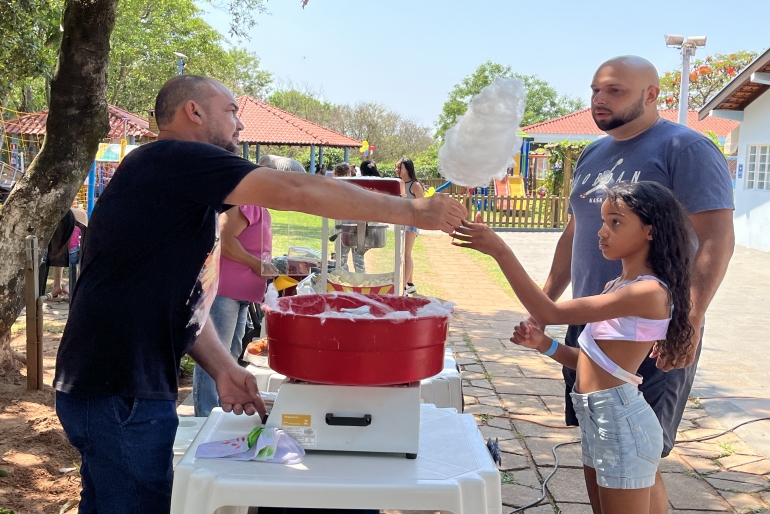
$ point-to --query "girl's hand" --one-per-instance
(529, 336)
(479, 237)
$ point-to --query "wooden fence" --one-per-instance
(517, 212)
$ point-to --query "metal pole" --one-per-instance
(91, 185)
(347, 154)
(259, 152)
(179, 66)
(245, 147)
(320, 155)
(312, 159)
(31, 270)
(684, 90)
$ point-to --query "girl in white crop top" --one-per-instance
(644, 310)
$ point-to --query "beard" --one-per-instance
(621, 119)
(216, 138)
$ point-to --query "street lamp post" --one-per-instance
(179, 62)
(687, 46)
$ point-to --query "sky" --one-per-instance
(408, 54)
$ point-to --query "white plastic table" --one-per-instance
(453, 472)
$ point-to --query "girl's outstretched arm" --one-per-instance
(647, 299)
(529, 336)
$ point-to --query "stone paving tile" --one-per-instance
(686, 492)
(737, 460)
(541, 450)
(531, 386)
(729, 485)
(757, 468)
(744, 503)
(496, 433)
(492, 401)
(747, 478)
(672, 464)
(575, 508)
(515, 495)
(483, 409)
(523, 424)
(568, 485)
(522, 404)
(512, 462)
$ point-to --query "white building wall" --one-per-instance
(752, 208)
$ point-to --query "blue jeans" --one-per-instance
(229, 318)
(126, 445)
(620, 436)
(358, 259)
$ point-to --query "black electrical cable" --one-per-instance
(720, 434)
(545, 482)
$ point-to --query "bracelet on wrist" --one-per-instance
(552, 349)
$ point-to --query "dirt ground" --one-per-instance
(41, 463)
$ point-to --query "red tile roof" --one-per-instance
(34, 124)
(266, 124)
(581, 122)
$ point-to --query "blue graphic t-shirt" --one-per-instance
(675, 156)
(149, 270)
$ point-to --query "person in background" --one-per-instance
(244, 266)
(73, 223)
(412, 189)
(369, 169)
(343, 170)
(278, 162)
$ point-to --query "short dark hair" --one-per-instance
(177, 91)
(342, 170)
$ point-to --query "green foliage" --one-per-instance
(393, 135)
(31, 36)
(707, 77)
(714, 139)
(554, 177)
(426, 163)
(186, 367)
(542, 102)
(142, 43)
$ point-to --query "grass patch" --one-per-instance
(16, 329)
(696, 404)
(425, 277)
(53, 327)
(727, 450)
(507, 478)
(295, 229)
(491, 268)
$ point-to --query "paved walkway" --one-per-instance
(517, 396)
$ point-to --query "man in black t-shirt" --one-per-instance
(148, 276)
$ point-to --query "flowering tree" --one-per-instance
(707, 77)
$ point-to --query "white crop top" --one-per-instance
(627, 328)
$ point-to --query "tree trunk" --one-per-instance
(77, 121)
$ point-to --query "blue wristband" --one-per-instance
(552, 349)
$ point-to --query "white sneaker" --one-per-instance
(410, 290)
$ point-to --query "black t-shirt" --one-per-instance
(149, 271)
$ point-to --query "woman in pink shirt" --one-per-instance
(246, 243)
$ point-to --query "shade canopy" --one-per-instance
(268, 125)
(34, 124)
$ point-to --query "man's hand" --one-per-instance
(237, 389)
(438, 212)
(479, 237)
(667, 364)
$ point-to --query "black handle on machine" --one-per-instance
(342, 421)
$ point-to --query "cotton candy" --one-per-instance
(481, 145)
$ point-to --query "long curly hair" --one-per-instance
(670, 253)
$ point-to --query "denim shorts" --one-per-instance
(621, 436)
(412, 229)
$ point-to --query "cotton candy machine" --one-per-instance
(354, 361)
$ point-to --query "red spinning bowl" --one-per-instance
(304, 346)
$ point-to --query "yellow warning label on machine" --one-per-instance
(295, 420)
